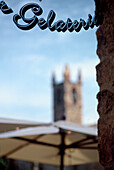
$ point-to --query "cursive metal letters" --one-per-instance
(4, 8)
(59, 26)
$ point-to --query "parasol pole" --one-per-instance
(62, 149)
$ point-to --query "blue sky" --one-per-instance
(28, 59)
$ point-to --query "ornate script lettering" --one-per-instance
(59, 26)
(4, 8)
(49, 23)
(31, 22)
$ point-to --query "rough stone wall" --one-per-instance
(105, 78)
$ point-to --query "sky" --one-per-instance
(29, 58)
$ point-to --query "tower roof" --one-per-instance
(66, 73)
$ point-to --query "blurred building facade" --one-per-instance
(67, 99)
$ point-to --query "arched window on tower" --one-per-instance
(74, 96)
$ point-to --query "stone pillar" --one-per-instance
(105, 79)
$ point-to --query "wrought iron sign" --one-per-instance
(49, 23)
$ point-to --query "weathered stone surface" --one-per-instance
(105, 74)
(106, 103)
(106, 141)
(105, 78)
(105, 35)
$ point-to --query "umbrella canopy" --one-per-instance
(60, 144)
(7, 124)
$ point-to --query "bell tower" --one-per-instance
(67, 99)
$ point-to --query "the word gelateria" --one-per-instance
(59, 25)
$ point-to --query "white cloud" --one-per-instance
(11, 96)
(29, 64)
(32, 59)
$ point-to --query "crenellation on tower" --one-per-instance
(67, 99)
(79, 77)
(66, 74)
(53, 79)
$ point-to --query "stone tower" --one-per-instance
(67, 99)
